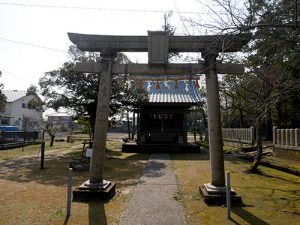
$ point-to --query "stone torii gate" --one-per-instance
(158, 44)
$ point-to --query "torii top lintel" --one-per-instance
(112, 43)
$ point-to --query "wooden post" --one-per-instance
(138, 126)
(128, 123)
(287, 137)
(228, 197)
(297, 141)
(24, 139)
(214, 121)
(133, 125)
(43, 150)
(279, 137)
(292, 137)
(282, 137)
(101, 122)
(69, 194)
(274, 135)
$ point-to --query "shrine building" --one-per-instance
(162, 120)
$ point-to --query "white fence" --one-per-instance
(239, 135)
(286, 137)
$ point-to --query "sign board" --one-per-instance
(89, 152)
(158, 47)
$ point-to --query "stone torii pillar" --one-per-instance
(215, 192)
(101, 123)
(214, 121)
(96, 187)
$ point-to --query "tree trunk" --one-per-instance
(257, 159)
(52, 139)
(241, 118)
(92, 119)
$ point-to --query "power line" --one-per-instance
(99, 9)
(32, 45)
(4, 72)
(181, 19)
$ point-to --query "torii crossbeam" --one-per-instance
(158, 44)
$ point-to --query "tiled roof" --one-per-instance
(13, 95)
(59, 114)
(185, 92)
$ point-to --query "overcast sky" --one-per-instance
(26, 24)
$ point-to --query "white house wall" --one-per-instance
(18, 113)
(7, 111)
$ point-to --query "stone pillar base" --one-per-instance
(95, 192)
(216, 195)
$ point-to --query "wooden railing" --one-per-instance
(286, 138)
(239, 135)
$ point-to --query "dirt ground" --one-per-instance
(34, 196)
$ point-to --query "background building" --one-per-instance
(17, 113)
(61, 121)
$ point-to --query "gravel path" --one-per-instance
(154, 198)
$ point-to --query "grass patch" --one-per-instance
(289, 163)
(228, 148)
(271, 198)
(60, 214)
(203, 143)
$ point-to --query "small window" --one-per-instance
(5, 121)
(23, 105)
